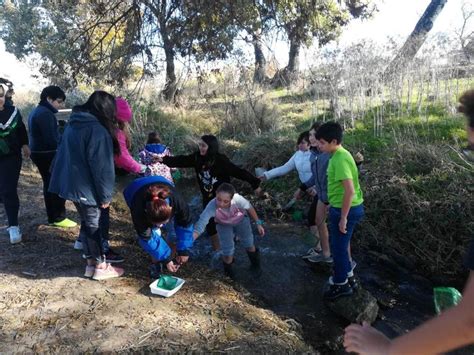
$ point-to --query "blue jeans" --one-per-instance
(90, 233)
(340, 241)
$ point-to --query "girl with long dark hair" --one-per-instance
(212, 169)
(84, 173)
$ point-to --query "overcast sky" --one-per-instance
(395, 18)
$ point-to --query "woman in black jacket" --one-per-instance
(13, 141)
(212, 169)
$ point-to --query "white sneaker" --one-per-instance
(78, 245)
(15, 234)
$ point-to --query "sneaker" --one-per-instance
(15, 234)
(113, 257)
(319, 258)
(336, 291)
(78, 245)
(311, 252)
(65, 223)
(90, 269)
(108, 272)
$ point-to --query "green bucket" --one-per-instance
(445, 297)
(167, 282)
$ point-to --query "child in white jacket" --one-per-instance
(299, 161)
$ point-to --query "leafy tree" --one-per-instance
(81, 40)
(304, 20)
(253, 16)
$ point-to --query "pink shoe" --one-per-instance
(89, 271)
(107, 273)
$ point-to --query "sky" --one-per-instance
(396, 18)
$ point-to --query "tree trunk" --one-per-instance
(294, 57)
(417, 37)
(169, 91)
(260, 73)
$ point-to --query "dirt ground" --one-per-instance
(46, 305)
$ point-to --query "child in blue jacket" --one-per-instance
(154, 202)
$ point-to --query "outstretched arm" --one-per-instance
(281, 170)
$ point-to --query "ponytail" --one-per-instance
(157, 208)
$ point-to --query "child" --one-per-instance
(44, 139)
(212, 169)
(299, 161)
(317, 187)
(153, 204)
(347, 209)
(231, 214)
(149, 156)
(13, 142)
(86, 176)
(124, 159)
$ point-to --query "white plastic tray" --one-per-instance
(166, 293)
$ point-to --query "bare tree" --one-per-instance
(466, 38)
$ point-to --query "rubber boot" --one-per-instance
(255, 261)
(228, 270)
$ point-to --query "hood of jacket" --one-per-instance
(156, 148)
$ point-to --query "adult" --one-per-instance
(44, 139)
(454, 328)
(13, 142)
(84, 173)
(212, 169)
(154, 203)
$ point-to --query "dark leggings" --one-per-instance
(55, 205)
(10, 167)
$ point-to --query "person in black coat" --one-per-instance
(212, 169)
(13, 142)
(44, 139)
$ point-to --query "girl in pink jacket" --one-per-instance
(124, 160)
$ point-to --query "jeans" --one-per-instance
(55, 205)
(104, 223)
(340, 241)
(227, 232)
(10, 167)
(90, 233)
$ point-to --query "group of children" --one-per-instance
(81, 165)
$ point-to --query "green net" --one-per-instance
(445, 297)
(167, 282)
(297, 215)
(176, 175)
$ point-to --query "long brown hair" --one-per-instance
(157, 209)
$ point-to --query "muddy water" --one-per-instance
(293, 289)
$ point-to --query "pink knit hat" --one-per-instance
(124, 112)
